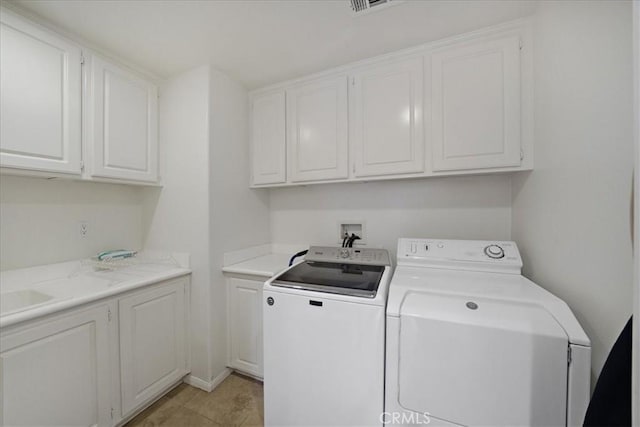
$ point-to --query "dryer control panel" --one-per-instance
(474, 255)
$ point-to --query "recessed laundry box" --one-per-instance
(470, 341)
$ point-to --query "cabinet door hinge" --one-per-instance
(81, 165)
(353, 81)
(568, 355)
(81, 59)
(521, 45)
(521, 154)
(354, 168)
(109, 314)
(111, 413)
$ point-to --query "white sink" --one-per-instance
(19, 300)
(78, 285)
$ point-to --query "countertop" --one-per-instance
(75, 283)
(264, 266)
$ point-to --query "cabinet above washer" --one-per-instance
(317, 130)
(457, 106)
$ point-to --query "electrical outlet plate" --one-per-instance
(357, 227)
(83, 229)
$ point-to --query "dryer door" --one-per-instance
(477, 361)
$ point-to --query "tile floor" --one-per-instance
(235, 402)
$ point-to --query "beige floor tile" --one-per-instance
(183, 393)
(178, 416)
(223, 408)
(237, 401)
(161, 405)
(255, 418)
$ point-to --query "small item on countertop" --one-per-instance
(115, 255)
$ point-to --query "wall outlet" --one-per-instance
(353, 227)
(83, 229)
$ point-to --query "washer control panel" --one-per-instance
(349, 255)
(480, 255)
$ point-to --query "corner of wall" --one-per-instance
(239, 216)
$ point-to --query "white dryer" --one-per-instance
(470, 341)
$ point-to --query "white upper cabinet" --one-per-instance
(317, 115)
(387, 119)
(121, 120)
(476, 105)
(40, 93)
(450, 107)
(268, 139)
(50, 123)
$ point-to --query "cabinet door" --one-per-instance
(317, 115)
(268, 138)
(40, 90)
(57, 372)
(152, 342)
(387, 117)
(476, 105)
(245, 325)
(121, 122)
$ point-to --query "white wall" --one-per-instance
(571, 214)
(635, 396)
(40, 218)
(205, 207)
(477, 207)
(239, 216)
(177, 216)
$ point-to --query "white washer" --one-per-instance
(470, 341)
(324, 329)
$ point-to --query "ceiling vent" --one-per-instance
(360, 7)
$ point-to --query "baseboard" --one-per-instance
(246, 374)
(221, 377)
(198, 383)
(207, 386)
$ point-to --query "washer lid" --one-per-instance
(482, 361)
(337, 278)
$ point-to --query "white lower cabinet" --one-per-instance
(64, 369)
(57, 372)
(152, 342)
(245, 325)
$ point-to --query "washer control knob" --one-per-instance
(344, 253)
(494, 251)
